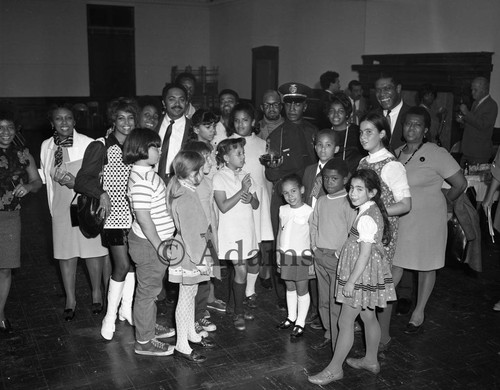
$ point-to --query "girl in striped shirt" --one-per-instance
(152, 226)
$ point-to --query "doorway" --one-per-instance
(110, 31)
(265, 68)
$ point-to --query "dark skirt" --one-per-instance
(10, 242)
(114, 237)
(296, 268)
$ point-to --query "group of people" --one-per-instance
(339, 213)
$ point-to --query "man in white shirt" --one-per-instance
(388, 92)
(174, 128)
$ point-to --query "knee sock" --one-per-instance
(250, 288)
(239, 296)
(184, 318)
(291, 304)
(303, 308)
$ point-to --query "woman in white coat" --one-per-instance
(60, 160)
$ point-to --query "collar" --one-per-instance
(395, 111)
(482, 100)
(365, 206)
(339, 194)
(177, 122)
(142, 168)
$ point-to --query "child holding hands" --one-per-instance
(364, 280)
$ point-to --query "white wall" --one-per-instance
(44, 51)
(43, 48)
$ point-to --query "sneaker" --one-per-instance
(153, 348)
(217, 305)
(497, 306)
(248, 316)
(251, 301)
(206, 314)
(239, 321)
(199, 329)
(357, 327)
(162, 332)
(207, 325)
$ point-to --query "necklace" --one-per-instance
(406, 146)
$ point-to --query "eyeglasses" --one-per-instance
(267, 106)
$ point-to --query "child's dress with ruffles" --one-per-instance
(374, 288)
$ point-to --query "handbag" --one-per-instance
(90, 221)
(456, 244)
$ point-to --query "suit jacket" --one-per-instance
(185, 137)
(478, 129)
(361, 110)
(308, 182)
(397, 139)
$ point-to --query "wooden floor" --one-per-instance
(459, 347)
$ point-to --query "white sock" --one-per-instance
(250, 288)
(291, 304)
(303, 308)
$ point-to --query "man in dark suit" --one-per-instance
(479, 121)
(174, 127)
(388, 94)
(359, 106)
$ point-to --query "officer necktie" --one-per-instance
(164, 149)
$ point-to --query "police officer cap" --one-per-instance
(294, 92)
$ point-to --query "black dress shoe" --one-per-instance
(297, 332)
(97, 308)
(412, 328)
(69, 314)
(403, 306)
(193, 357)
(5, 326)
(206, 342)
(285, 324)
(323, 344)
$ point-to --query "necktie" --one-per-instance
(65, 143)
(164, 149)
(388, 117)
(318, 183)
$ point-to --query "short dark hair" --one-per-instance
(170, 86)
(198, 146)
(54, 107)
(420, 111)
(226, 145)
(153, 101)
(327, 78)
(125, 104)
(353, 83)
(245, 107)
(203, 115)
(337, 164)
(381, 123)
(386, 75)
(331, 133)
(183, 76)
(136, 146)
(424, 90)
(294, 178)
(342, 99)
(228, 91)
(8, 115)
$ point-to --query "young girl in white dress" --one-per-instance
(294, 255)
(242, 120)
(364, 280)
(236, 199)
